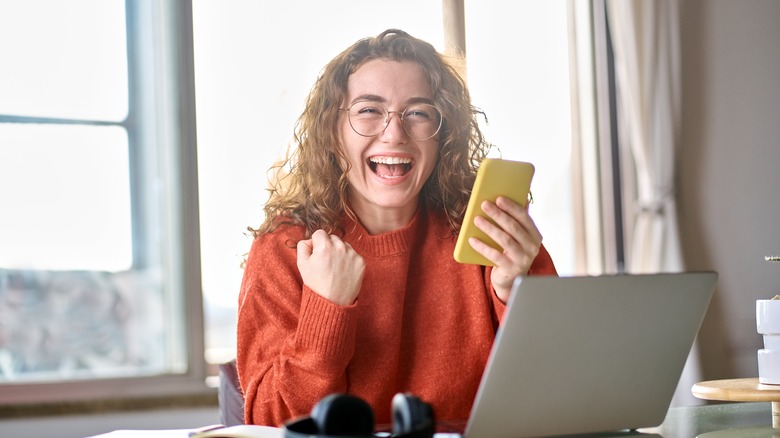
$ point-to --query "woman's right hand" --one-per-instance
(330, 267)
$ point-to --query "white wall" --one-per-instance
(730, 176)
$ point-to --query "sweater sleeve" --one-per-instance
(542, 265)
(293, 346)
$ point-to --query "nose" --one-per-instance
(394, 126)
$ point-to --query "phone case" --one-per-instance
(495, 177)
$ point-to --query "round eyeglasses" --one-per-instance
(421, 121)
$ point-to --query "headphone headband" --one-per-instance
(346, 416)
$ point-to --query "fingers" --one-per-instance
(512, 229)
(519, 239)
(321, 243)
(512, 218)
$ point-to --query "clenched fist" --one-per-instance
(330, 267)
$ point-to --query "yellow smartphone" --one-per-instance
(495, 177)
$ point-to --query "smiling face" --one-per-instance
(387, 170)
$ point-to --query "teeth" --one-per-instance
(390, 160)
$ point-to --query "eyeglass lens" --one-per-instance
(421, 121)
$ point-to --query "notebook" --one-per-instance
(578, 355)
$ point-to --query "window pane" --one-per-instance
(66, 197)
(65, 59)
(59, 325)
(253, 71)
(518, 73)
(72, 303)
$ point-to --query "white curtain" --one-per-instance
(646, 43)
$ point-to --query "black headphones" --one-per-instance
(343, 415)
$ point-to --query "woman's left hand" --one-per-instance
(516, 233)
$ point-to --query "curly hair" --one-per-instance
(310, 187)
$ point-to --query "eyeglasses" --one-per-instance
(421, 121)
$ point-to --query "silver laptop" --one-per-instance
(578, 355)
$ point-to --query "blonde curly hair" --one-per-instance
(309, 186)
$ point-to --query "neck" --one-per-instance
(378, 220)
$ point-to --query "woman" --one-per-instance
(350, 285)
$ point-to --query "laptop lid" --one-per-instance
(589, 354)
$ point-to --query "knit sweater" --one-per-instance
(422, 323)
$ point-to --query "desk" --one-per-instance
(730, 420)
(752, 420)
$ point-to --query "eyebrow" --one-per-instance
(375, 98)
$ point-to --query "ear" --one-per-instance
(343, 414)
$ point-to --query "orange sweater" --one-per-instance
(422, 323)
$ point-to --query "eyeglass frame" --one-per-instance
(389, 115)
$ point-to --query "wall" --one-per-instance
(730, 169)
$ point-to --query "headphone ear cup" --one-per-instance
(343, 414)
(410, 414)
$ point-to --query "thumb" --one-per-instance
(304, 249)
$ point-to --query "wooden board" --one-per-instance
(736, 390)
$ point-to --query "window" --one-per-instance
(96, 173)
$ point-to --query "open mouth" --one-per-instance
(390, 167)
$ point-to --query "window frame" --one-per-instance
(161, 112)
(599, 192)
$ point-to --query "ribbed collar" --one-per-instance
(385, 244)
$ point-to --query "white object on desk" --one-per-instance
(768, 324)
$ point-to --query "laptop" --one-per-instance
(578, 355)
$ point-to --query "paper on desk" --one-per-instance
(168, 433)
(248, 431)
(242, 431)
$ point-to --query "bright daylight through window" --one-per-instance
(90, 279)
